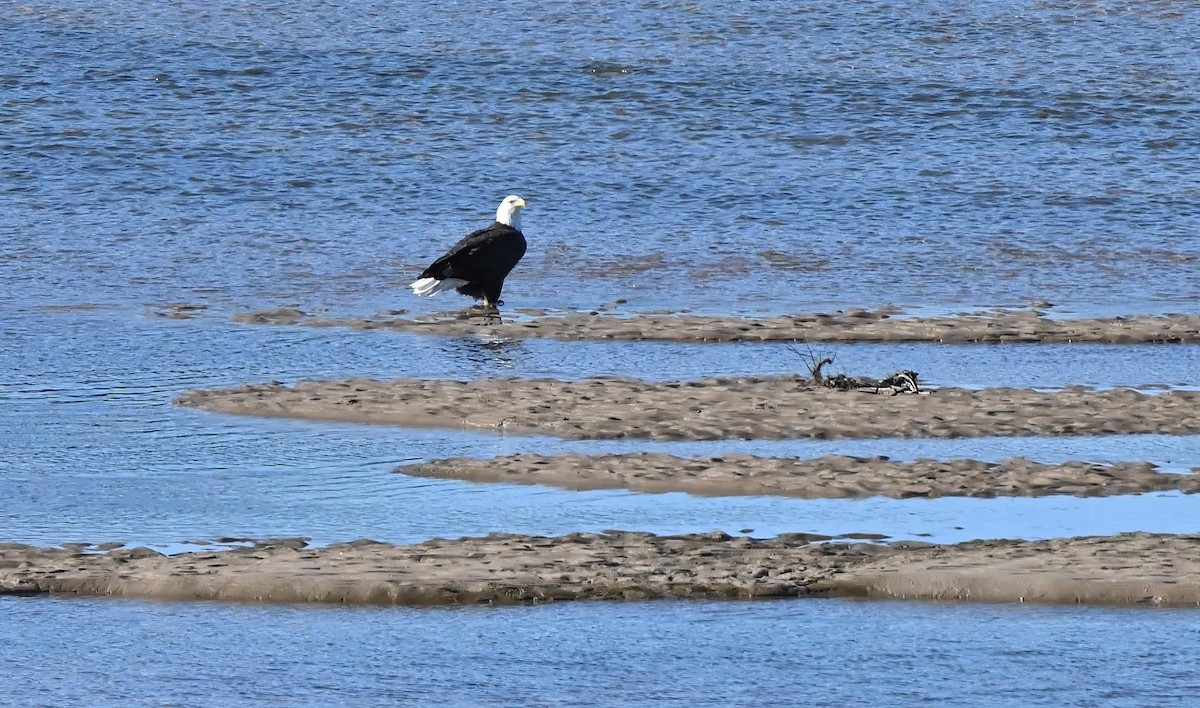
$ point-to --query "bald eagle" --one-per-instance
(477, 265)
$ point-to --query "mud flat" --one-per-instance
(841, 326)
(775, 408)
(1137, 568)
(828, 477)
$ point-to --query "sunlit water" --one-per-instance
(769, 157)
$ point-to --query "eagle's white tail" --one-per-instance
(427, 287)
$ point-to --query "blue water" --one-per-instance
(932, 153)
(759, 158)
(820, 652)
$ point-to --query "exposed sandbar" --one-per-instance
(1135, 568)
(828, 477)
(841, 326)
(496, 568)
(776, 407)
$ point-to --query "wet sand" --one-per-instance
(774, 408)
(842, 326)
(1135, 568)
(829, 477)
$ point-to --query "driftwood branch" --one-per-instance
(899, 382)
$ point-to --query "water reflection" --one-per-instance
(483, 352)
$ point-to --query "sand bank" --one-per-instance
(829, 477)
(496, 568)
(777, 407)
(842, 326)
(503, 568)
(1137, 568)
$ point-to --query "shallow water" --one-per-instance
(766, 158)
(816, 652)
(97, 452)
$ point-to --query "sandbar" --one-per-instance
(1137, 569)
(748, 407)
(854, 325)
(828, 477)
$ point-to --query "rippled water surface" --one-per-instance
(697, 155)
(762, 654)
(765, 157)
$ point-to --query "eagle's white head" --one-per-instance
(509, 211)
